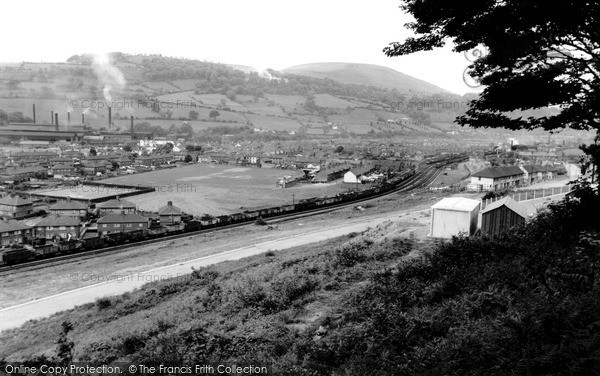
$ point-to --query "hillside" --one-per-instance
(270, 101)
(366, 74)
(375, 303)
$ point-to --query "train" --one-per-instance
(20, 254)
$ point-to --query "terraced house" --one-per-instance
(494, 178)
(15, 207)
(13, 232)
(121, 222)
(57, 227)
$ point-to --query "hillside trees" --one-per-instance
(531, 56)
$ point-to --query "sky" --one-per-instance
(258, 33)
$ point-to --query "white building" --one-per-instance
(357, 175)
(494, 178)
(454, 216)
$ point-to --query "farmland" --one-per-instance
(216, 189)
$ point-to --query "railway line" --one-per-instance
(419, 180)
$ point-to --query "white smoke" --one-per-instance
(109, 75)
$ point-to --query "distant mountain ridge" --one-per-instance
(366, 74)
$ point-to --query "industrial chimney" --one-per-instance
(56, 121)
(82, 119)
(52, 117)
(109, 117)
(132, 127)
(34, 113)
(69, 117)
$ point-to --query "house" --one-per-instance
(70, 208)
(169, 214)
(13, 232)
(116, 205)
(33, 158)
(96, 167)
(57, 227)
(62, 169)
(19, 174)
(357, 175)
(15, 207)
(502, 215)
(453, 216)
(325, 176)
(494, 178)
(537, 173)
(124, 161)
(121, 222)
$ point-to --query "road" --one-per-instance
(15, 316)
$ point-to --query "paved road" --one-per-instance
(17, 315)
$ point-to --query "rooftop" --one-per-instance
(509, 203)
(457, 203)
(499, 172)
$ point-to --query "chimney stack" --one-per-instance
(52, 117)
(34, 113)
(69, 117)
(109, 117)
(132, 127)
(56, 121)
(82, 119)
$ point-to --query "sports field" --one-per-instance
(219, 189)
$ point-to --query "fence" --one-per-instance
(530, 194)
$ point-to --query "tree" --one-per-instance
(93, 152)
(530, 56)
(127, 148)
(213, 114)
(64, 350)
(194, 115)
(188, 158)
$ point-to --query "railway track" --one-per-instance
(419, 180)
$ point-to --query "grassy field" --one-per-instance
(273, 123)
(217, 189)
(326, 100)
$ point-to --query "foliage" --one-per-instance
(528, 55)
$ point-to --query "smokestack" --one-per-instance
(69, 118)
(82, 119)
(56, 121)
(52, 117)
(109, 117)
(132, 127)
(34, 113)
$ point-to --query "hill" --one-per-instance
(366, 74)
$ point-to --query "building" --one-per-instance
(494, 178)
(537, 173)
(502, 215)
(325, 176)
(357, 175)
(13, 232)
(20, 174)
(57, 227)
(169, 214)
(121, 222)
(116, 205)
(453, 216)
(15, 207)
(68, 208)
(62, 169)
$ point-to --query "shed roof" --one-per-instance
(457, 204)
(509, 203)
